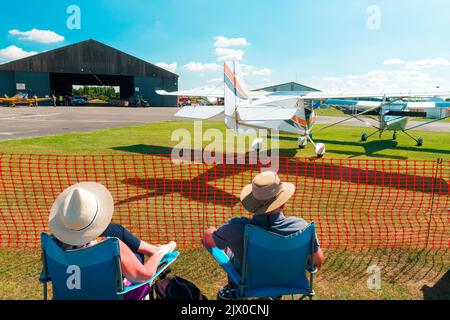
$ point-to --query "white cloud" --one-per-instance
(249, 70)
(41, 36)
(202, 67)
(393, 61)
(424, 74)
(224, 42)
(14, 53)
(418, 64)
(172, 67)
(229, 54)
(427, 63)
(380, 79)
(262, 72)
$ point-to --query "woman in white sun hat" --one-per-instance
(81, 217)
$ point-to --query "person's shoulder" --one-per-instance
(239, 220)
(235, 223)
(292, 220)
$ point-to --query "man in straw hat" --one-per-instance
(81, 217)
(265, 198)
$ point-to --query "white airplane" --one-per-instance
(293, 113)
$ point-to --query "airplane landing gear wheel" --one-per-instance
(302, 142)
(257, 145)
(320, 150)
(364, 137)
(420, 142)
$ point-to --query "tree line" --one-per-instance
(96, 92)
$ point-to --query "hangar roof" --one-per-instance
(88, 57)
(293, 86)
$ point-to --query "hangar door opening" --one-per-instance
(63, 83)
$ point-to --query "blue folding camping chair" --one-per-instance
(93, 273)
(272, 265)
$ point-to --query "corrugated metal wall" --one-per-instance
(36, 83)
(7, 86)
(148, 85)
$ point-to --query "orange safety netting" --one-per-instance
(355, 203)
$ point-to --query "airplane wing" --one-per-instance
(265, 113)
(360, 94)
(373, 104)
(207, 93)
(200, 112)
(427, 105)
(375, 94)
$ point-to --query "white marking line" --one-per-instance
(40, 115)
(28, 116)
(78, 120)
(7, 133)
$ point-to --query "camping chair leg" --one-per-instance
(45, 291)
(311, 283)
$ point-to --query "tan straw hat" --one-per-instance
(266, 193)
(81, 213)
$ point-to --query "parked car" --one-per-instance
(79, 101)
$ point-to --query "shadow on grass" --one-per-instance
(372, 147)
(201, 189)
(19, 272)
(397, 265)
(440, 291)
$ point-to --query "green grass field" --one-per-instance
(341, 142)
(406, 274)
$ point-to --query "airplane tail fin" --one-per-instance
(236, 92)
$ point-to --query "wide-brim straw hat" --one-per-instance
(81, 213)
(266, 193)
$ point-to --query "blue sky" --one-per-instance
(321, 43)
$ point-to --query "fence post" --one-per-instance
(433, 195)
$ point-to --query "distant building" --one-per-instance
(90, 63)
(290, 86)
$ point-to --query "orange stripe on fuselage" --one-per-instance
(299, 121)
(234, 81)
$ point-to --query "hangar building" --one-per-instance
(87, 63)
(289, 86)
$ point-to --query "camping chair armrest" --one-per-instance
(166, 261)
(224, 261)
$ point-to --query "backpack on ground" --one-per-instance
(176, 288)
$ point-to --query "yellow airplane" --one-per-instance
(21, 99)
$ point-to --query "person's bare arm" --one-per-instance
(133, 269)
(208, 239)
(318, 258)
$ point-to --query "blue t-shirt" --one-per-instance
(231, 234)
